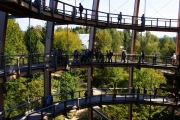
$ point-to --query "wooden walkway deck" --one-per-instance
(64, 15)
(64, 106)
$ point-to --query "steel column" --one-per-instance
(3, 26)
(178, 34)
(48, 47)
(1, 97)
(133, 41)
(95, 7)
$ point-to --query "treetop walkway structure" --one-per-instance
(20, 65)
(60, 13)
(67, 14)
(65, 102)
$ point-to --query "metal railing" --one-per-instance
(17, 63)
(67, 10)
(100, 96)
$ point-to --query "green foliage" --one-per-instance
(20, 91)
(14, 43)
(109, 77)
(67, 41)
(67, 83)
(148, 78)
(34, 39)
(81, 30)
(127, 40)
(117, 40)
(167, 46)
(116, 112)
(103, 40)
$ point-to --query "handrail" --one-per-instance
(103, 91)
(14, 63)
(67, 10)
(65, 105)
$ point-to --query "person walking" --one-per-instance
(142, 57)
(143, 22)
(110, 56)
(133, 91)
(119, 18)
(155, 92)
(107, 56)
(138, 93)
(173, 58)
(144, 93)
(123, 56)
(80, 10)
(51, 99)
(154, 58)
(86, 95)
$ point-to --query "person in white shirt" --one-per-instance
(173, 58)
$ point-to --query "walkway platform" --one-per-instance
(64, 106)
(25, 65)
(75, 101)
(64, 15)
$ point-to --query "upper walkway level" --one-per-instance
(65, 102)
(13, 66)
(66, 14)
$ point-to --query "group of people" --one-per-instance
(133, 92)
(88, 55)
(56, 55)
(141, 59)
(109, 55)
(142, 20)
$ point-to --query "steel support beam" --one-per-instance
(133, 42)
(1, 97)
(48, 47)
(3, 26)
(94, 14)
(102, 115)
(178, 34)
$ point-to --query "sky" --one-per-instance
(151, 8)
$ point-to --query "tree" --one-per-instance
(66, 40)
(20, 91)
(154, 78)
(68, 83)
(103, 40)
(107, 77)
(127, 40)
(167, 46)
(33, 38)
(117, 40)
(14, 43)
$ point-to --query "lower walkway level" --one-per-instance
(77, 101)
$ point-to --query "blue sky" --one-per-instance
(151, 8)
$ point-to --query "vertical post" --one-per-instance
(136, 11)
(178, 34)
(95, 8)
(109, 9)
(1, 97)
(108, 20)
(48, 46)
(3, 26)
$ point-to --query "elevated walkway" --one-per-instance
(19, 65)
(103, 98)
(64, 15)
